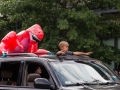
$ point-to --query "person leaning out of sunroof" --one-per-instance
(64, 47)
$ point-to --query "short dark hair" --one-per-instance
(32, 67)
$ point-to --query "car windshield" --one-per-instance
(94, 72)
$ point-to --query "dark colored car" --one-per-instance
(58, 73)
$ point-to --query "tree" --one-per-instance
(70, 20)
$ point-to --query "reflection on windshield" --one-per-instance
(74, 72)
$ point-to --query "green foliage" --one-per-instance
(70, 20)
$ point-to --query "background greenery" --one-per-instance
(70, 20)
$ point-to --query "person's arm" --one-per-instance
(82, 53)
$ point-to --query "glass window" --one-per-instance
(71, 72)
(9, 73)
(34, 70)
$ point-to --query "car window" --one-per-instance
(33, 69)
(9, 73)
(107, 72)
(71, 72)
(39, 69)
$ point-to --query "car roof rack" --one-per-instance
(67, 57)
(18, 54)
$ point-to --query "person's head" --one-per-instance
(63, 45)
(38, 70)
(116, 71)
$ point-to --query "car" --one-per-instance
(67, 72)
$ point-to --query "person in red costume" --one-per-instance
(24, 41)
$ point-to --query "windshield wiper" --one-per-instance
(108, 83)
(75, 84)
(104, 83)
(85, 85)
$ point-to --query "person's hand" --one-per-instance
(61, 52)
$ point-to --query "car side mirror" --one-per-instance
(42, 83)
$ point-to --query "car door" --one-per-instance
(44, 74)
(8, 88)
(30, 88)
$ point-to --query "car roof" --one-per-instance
(19, 57)
(32, 56)
(68, 58)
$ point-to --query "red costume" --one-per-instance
(24, 41)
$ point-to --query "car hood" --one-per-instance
(94, 87)
(76, 88)
(106, 87)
